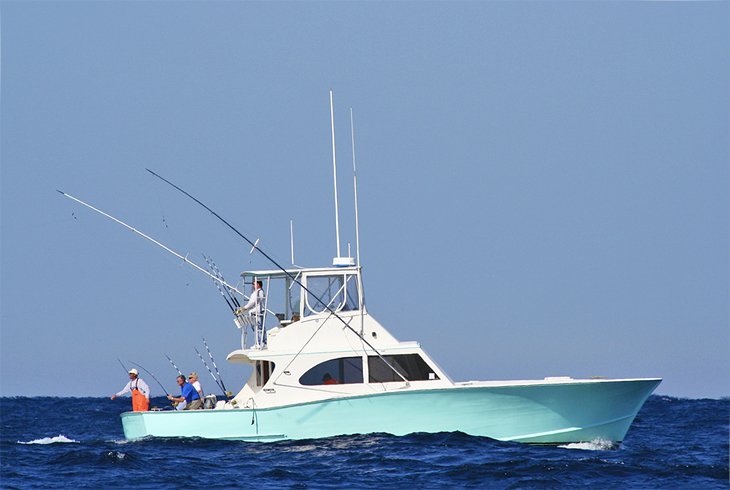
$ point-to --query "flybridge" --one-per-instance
(311, 292)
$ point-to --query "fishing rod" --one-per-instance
(123, 366)
(218, 273)
(215, 367)
(218, 285)
(153, 377)
(173, 365)
(276, 264)
(211, 372)
(176, 254)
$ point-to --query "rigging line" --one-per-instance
(173, 365)
(211, 373)
(176, 254)
(300, 350)
(153, 376)
(162, 209)
(215, 367)
(276, 381)
(267, 256)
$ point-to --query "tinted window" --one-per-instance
(412, 366)
(345, 370)
(263, 372)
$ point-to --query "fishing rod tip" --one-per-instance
(60, 192)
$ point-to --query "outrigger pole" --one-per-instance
(276, 264)
(176, 254)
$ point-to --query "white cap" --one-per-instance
(133, 371)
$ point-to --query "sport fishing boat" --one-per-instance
(321, 375)
(323, 366)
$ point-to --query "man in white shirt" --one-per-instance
(140, 392)
(255, 308)
(255, 305)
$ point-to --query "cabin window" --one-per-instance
(412, 366)
(345, 370)
(263, 372)
(335, 291)
(294, 295)
(351, 301)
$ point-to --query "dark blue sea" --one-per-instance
(78, 443)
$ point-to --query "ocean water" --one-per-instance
(78, 443)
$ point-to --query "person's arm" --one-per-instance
(124, 390)
(183, 395)
(178, 399)
(251, 302)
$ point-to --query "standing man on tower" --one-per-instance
(140, 392)
(255, 308)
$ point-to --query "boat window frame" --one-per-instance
(344, 290)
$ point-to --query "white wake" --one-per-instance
(594, 445)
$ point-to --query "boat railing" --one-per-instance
(254, 323)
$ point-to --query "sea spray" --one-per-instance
(50, 440)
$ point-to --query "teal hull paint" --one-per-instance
(549, 413)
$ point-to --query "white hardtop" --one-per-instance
(298, 272)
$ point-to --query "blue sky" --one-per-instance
(543, 185)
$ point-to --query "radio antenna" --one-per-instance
(291, 239)
(357, 229)
(354, 181)
(334, 171)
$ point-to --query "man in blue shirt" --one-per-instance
(189, 395)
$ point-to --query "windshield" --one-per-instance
(334, 291)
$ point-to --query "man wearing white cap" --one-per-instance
(140, 392)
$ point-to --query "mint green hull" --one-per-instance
(547, 413)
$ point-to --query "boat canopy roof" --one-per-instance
(277, 273)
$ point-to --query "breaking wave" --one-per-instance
(50, 440)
